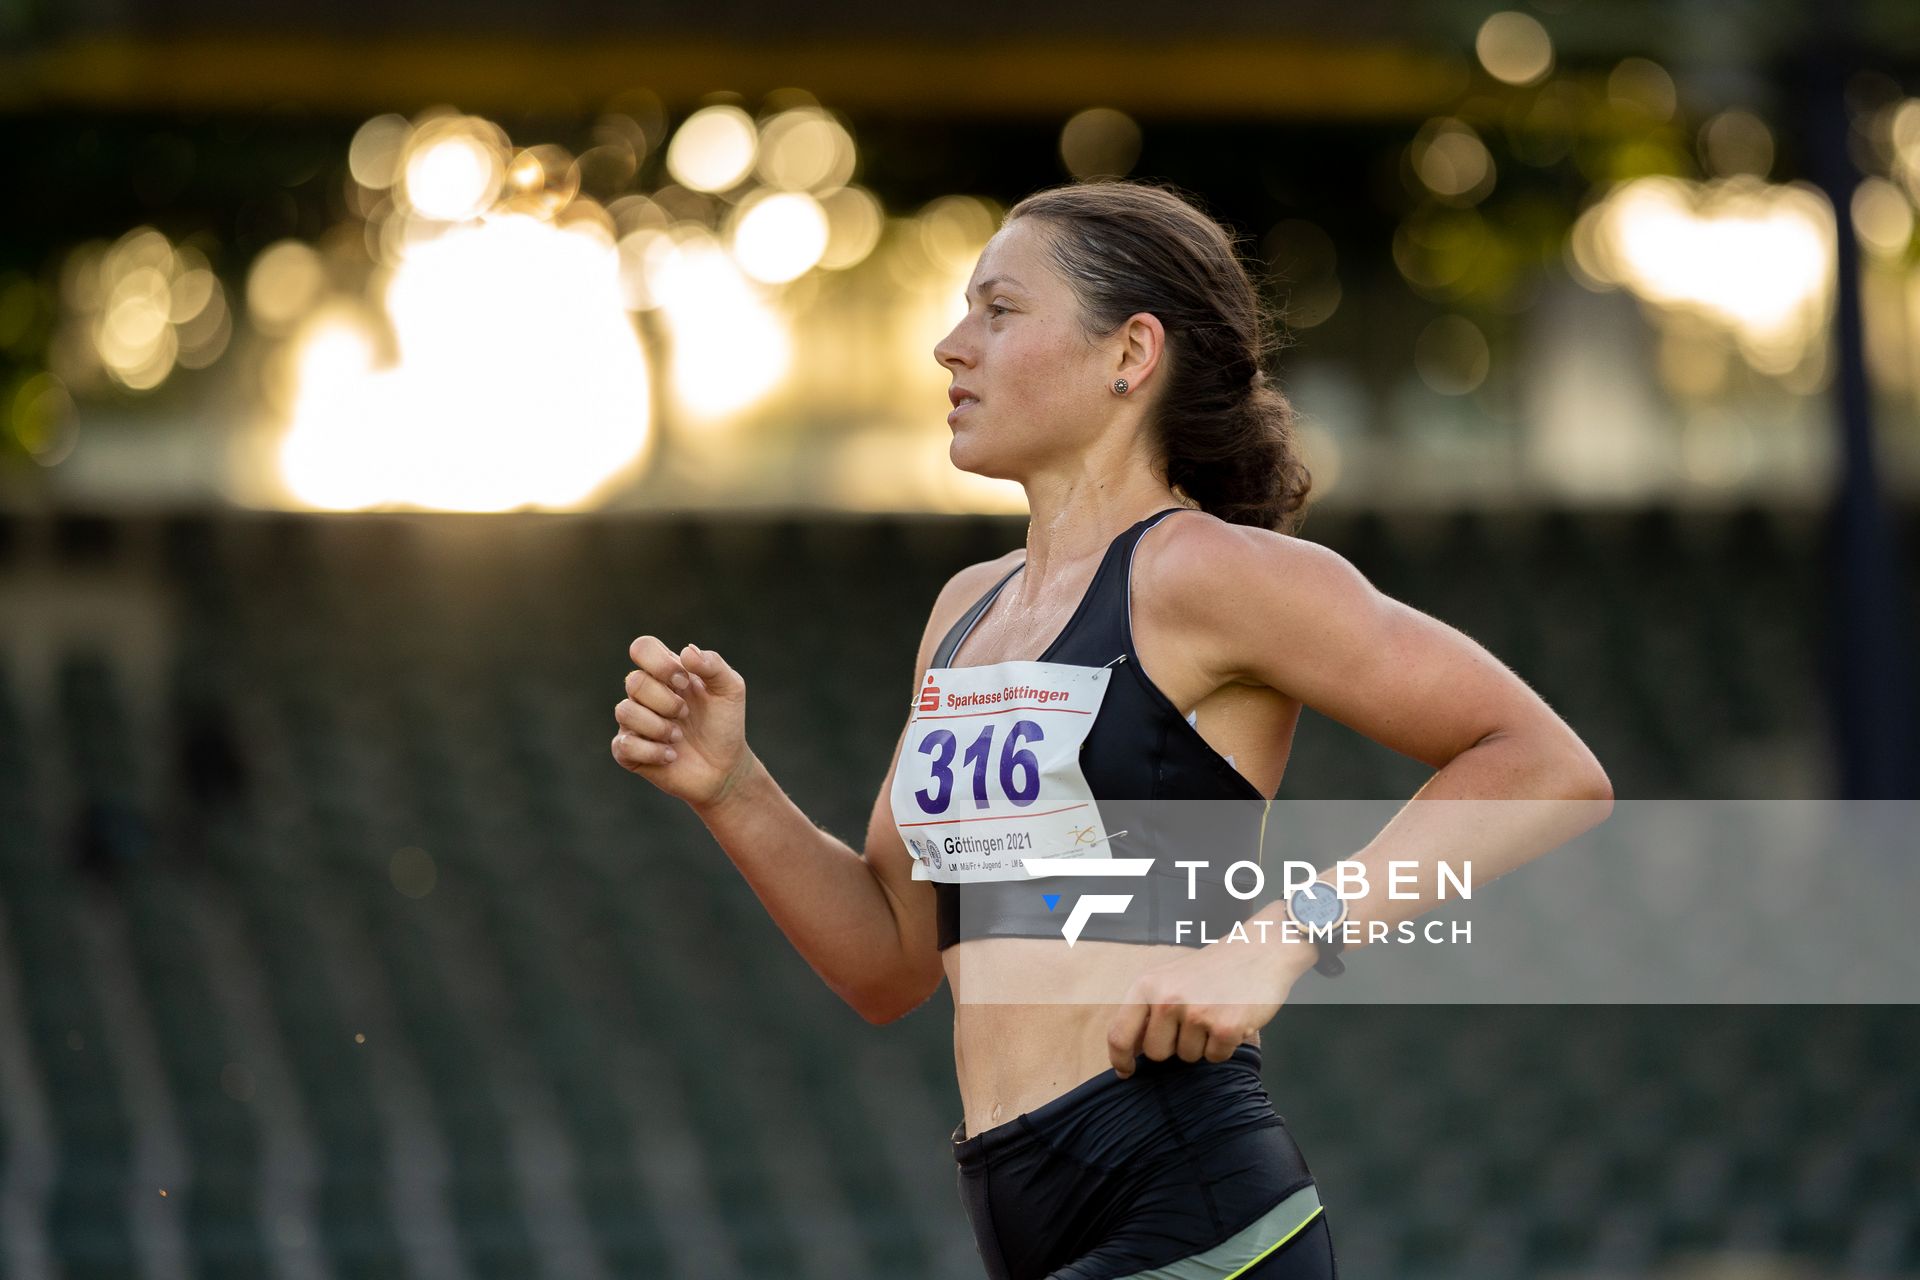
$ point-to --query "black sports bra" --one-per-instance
(1140, 748)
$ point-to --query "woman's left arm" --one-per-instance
(1260, 607)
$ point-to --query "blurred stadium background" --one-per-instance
(371, 376)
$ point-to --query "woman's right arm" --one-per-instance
(860, 919)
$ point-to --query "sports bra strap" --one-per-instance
(957, 633)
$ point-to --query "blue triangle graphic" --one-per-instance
(1052, 900)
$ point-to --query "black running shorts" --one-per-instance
(1179, 1163)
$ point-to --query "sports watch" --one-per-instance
(1320, 911)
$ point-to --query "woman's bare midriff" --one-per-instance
(1030, 1023)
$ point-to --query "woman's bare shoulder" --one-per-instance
(1201, 554)
(1235, 589)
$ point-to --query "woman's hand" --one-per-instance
(1182, 1007)
(683, 722)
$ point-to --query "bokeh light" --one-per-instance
(540, 180)
(1696, 247)
(517, 379)
(779, 236)
(283, 285)
(1440, 250)
(1643, 87)
(1514, 48)
(1899, 124)
(805, 149)
(453, 168)
(413, 872)
(713, 149)
(1100, 142)
(1736, 142)
(854, 222)
(373, 157)
(953, 231)
(41, 415)
(136, 309)
(382, 332)
(1452, 162)
(1883, 217)
(414, 355)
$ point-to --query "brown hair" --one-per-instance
(1225, 433)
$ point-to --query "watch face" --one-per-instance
(1317, 905)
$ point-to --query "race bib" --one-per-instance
(990, 772)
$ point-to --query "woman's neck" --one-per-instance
(1068, 526)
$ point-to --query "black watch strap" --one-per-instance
(1330, 947)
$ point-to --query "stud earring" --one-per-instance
(1119, 386)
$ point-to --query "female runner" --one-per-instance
(1109, 361)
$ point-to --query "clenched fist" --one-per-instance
(683, 722)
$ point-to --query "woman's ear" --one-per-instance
(1143, 340)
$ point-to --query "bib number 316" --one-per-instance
(990, 772)
(1018, 771)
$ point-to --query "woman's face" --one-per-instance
(1039, 386)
